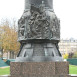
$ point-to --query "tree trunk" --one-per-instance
(10, 54)
(2, 53)
(7, 55)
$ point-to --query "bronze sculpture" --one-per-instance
(39, 32)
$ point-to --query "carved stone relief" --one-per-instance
(38, 33)
(36, 24)
(56, 28)
(39, 24)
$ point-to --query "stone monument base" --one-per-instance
(38, 51)
(39, 69)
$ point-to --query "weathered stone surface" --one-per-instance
(39, 33)
(16, 76)
(61, 68)
(65, 75)
(40, 68)
(40, 76)
(48, 3)
(15, 68)
(39, 52)
(39, 23)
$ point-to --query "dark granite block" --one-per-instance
(26, 68)
(61, 68)
(61, 75)
(64, 75)
(16, 76)
(39, 76)
(38, 68)
(15, 68)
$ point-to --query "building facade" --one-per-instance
(68, 46)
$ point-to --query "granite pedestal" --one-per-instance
(39, 69)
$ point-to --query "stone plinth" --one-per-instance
(39, 69)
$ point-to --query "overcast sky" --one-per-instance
(66, 10)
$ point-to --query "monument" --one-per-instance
(39, 32)
(39, 35)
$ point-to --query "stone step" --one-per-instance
(39, 76)
(73, 75)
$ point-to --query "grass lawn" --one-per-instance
(5, 71)
(72, 69)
